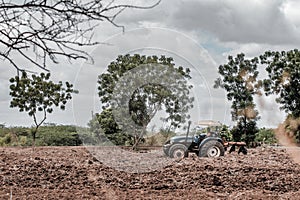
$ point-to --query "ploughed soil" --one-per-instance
(73, 173)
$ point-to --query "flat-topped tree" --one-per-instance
(142, 86)
(38, 94)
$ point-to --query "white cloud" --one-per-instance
(291, 12)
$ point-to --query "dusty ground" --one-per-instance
(72, 173)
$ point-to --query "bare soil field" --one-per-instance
(73, 173)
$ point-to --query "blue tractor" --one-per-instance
(208, 144)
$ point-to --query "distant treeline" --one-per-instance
(69, 135)
(49, 135)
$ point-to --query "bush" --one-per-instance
(244, 132)
(6, 140)
(225, 133)
(152, 140)
(266, 136)
(120, 138)
(2, 142)
(25, 141)
(54, 135)
(58, 136)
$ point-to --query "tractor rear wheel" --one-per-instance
(212, 148)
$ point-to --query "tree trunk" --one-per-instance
(138, 138)
(33, 137)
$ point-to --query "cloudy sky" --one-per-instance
(198, 34)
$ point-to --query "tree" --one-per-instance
(53, 28)
(139, 86)
(38, 94)
(238, 79)
(283, 80)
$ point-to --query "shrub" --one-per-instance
(266, 136)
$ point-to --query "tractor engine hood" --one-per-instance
(182, 139)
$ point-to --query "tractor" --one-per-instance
(205, 144)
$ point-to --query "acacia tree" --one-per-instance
(53, 28)
(38, 94)
(283, 80)
(144, 101)
(238, 79)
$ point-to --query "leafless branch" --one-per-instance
(53, 28)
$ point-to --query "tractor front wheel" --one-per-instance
(178, 151)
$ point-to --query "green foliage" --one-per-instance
(107, 122)
(266, 136)
(38, 94)
(283, 80)
(239, 80)
(226, 133)
(7, 139)
(283, 70)
(2, 143)
(244, 131)
(236, 133)
(24, 141)
(54, 135)
(104, 127)
(146, 100)
(120, 139)
(11, 136)
(58, 136)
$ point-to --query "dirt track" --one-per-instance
(72, 173)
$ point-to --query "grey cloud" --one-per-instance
(243, 22)
(262, 22)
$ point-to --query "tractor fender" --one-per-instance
(210, 139)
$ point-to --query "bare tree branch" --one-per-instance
(53, 28)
